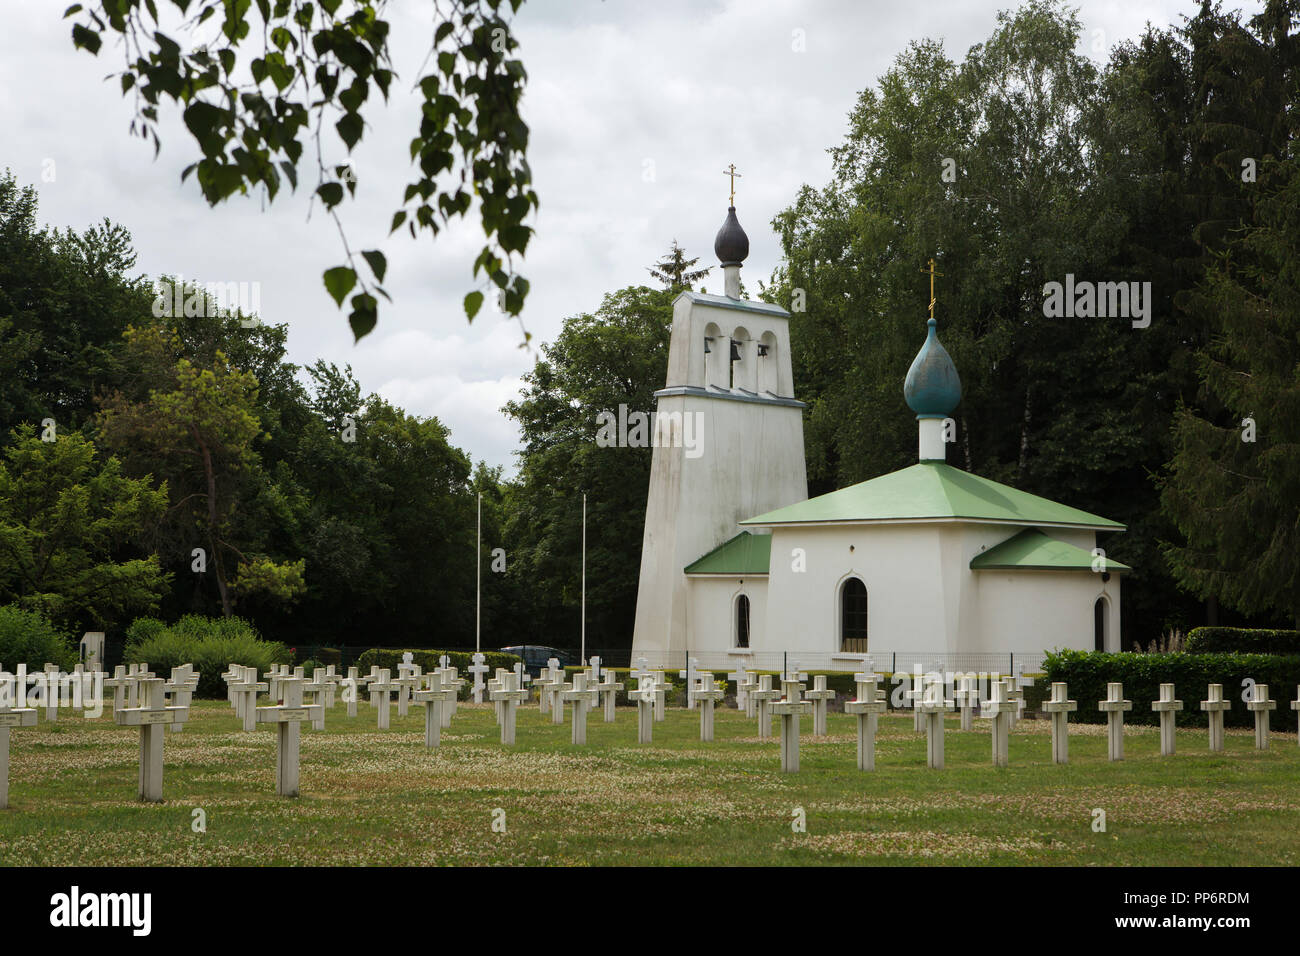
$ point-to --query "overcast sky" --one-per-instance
(635, 109)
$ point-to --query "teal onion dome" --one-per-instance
(932, 388)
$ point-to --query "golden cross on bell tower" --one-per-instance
(932, 277)
(731, 171)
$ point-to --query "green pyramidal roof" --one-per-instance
(932, 490)
(746, 553)
(1031, 550)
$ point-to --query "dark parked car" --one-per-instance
(535, 656)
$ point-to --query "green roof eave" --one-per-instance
(745, 554)
(932, 491)
(1031, 550)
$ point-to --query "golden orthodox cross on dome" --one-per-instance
(933, 274)
(731, 171)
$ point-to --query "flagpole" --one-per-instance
(583, 652)
(478, 578)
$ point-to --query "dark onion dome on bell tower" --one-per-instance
(731, 245)
(932, 388)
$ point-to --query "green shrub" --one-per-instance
(211, 644)
(142, 628)
(1088, 672)
(29, 638)
(1242, 640)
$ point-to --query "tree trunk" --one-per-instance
(1024, 437)
(217, 565)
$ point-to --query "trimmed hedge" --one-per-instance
(211, 644)
(1088, 672)
(1242, 640)
(27, 637)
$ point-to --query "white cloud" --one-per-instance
(692, 86)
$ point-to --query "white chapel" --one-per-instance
(738, 564)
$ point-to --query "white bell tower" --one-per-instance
(729, 369)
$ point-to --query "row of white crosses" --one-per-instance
(49, 684)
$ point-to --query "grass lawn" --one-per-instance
(372, 797)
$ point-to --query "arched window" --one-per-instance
(853, 617)
(1099, 624)
(742, 621)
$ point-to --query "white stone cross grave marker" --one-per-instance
(119, 683)
(819, 695)
(522, 680)
(934, 706)
(998, 707)
(83, 684)
(1166, 707)
(583, 698)
(748, 687)
(790, 708)
(317, 687)
(1295, 705)
(478, 669)
(332, 682)
(554, 687)
(1060, 707)
(288, 718)
(706, 696)
(1261, 705)
(232, 674)
(184, 682)
(11, 716)
(495, 684)
(868, 707)
(1114, 707)
(140, 672)
(644, 697)
(407, 680)
(913, 696)
(689, 674)
(51, 681)
(381, 692)
(351, 690)
(452, 683)
(543, 695)
(967, 698)
(152, 714)
(662, 686)
(508, 697)
(450, 678)
(763, 698)
(435, 699)
(740, 676)
(246, 690)
(609, 688)
(1215, 708)
(273, 677)
(1018, 684)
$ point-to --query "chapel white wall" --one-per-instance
(750, 461)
